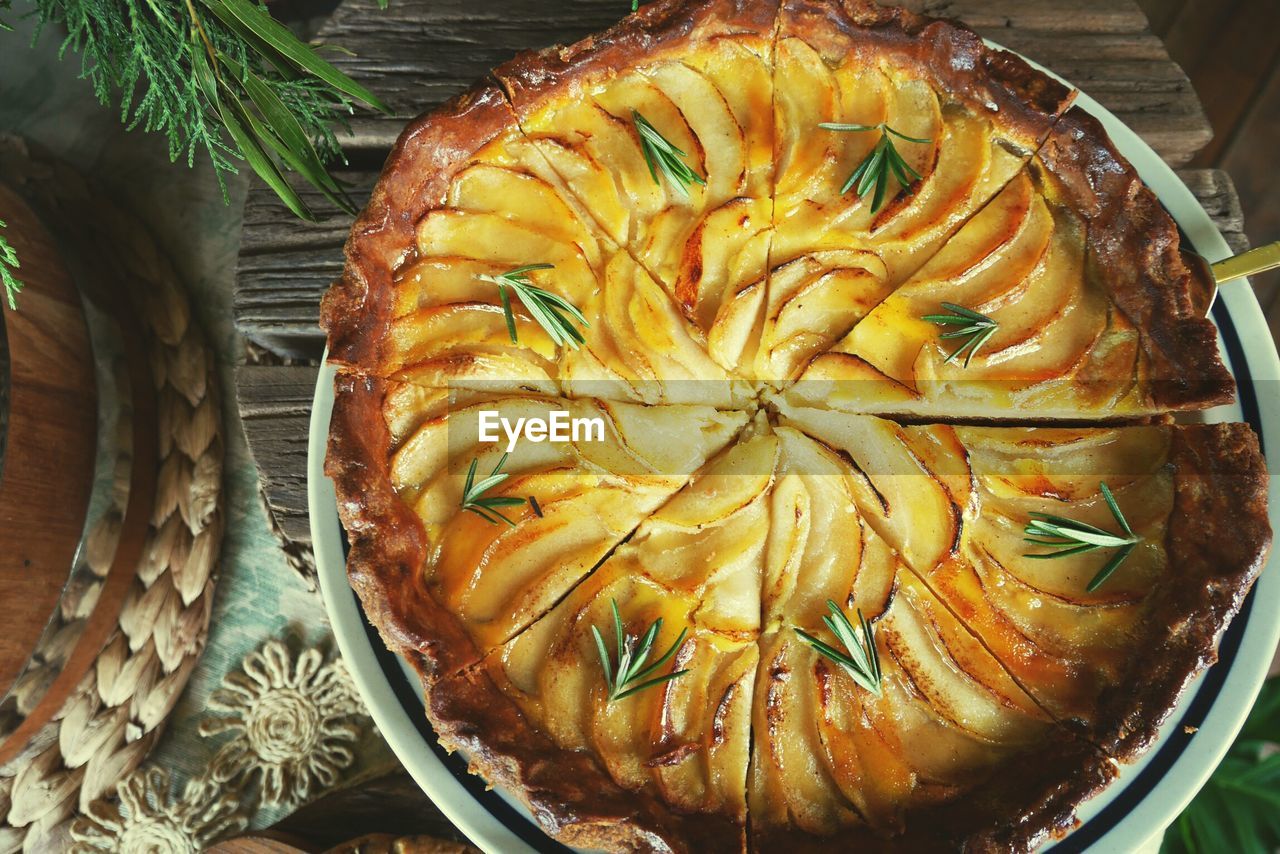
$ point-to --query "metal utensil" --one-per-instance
(1250, 263)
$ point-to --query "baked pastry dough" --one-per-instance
(748, 335)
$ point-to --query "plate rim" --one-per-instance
(1156, 808)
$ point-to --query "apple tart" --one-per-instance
(876, 341)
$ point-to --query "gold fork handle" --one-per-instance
(1250, 263)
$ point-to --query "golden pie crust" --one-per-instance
(747, 349)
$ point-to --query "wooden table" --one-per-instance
(420, 52)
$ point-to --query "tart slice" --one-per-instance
(647, 667)
(460, 270)
(469, 544)
(662, 128)
(944, 119)
(1064, 298)
(1069, 551)
(929, 751)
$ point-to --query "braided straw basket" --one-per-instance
(127, 670)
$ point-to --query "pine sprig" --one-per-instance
(218, 78)
(631, 674)
(861, 658)
(488, 507)
(883, 162)
(1067, 537)
(9, 264)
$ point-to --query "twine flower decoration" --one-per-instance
(289, 722)
(145, 819)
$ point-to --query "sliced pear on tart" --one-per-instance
(691, 573)
(1062, 610)
(497, 557)
(1044, 305)
(835, 762)
(962, 119)
(443, 313)
(610, 120)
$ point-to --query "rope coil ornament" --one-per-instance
(292, 722)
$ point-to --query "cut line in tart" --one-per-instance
(759, 612)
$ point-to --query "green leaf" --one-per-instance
(284, 42)
(1239, 808)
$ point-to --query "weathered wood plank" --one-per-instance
(285, 265)
(275, 402)
(419, 53)
(275, 405)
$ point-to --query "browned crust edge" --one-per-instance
(387, 540)
(953, 58)
(357, 310)
(1135, 250)
(533, 78)
(573, 798)
(1218, 541)
(1021, 806)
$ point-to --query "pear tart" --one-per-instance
(751, 611)
(1089, 304)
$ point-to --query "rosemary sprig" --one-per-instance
(551, 311)
(1068, 537)
(487, 507)
(883, 161)
(659, 153)
(862, 660)
(632, 675)
(978, 328)
(8, 264)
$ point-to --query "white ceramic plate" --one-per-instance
(1128, 816)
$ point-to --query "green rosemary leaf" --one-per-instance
(8, 264)
(632, 672)
(661, 154)
(487, 507)
(535, 506)
(860, 658)
(1067, 537)
(976, 328)
(884, 162)
(551, 311)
